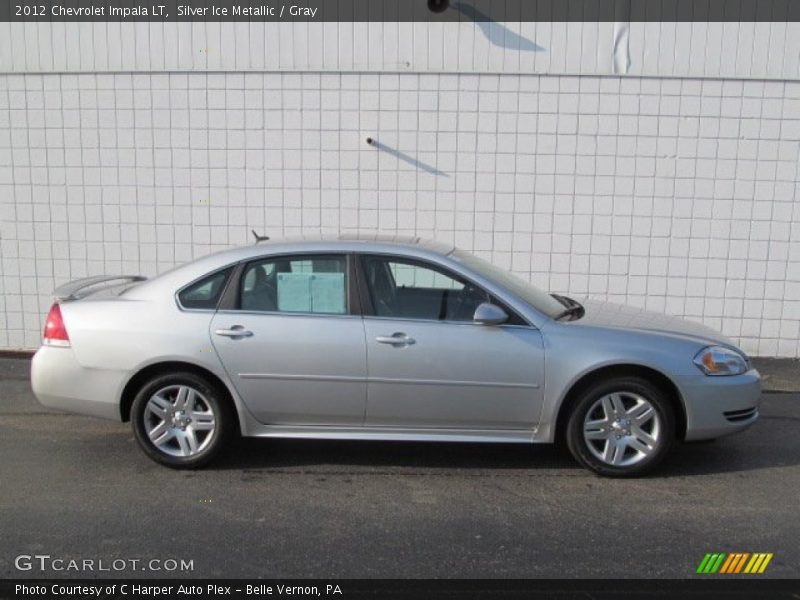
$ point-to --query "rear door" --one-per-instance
(292, 343)
(430, 365)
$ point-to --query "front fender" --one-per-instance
(574, 353)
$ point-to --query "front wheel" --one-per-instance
(181, 420)
(621, 427)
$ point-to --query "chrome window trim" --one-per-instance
(356, 256)
(277, 313)
(451, 322)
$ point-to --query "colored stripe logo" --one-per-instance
(734, 562)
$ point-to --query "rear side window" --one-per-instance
(302, 284)
(205, 294)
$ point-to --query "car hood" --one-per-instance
(620, 316)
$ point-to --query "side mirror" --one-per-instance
(489, 314)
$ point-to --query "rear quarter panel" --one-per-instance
(124, 336)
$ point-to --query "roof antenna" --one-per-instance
(259, 238)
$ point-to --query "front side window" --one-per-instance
(205, 293)
(412, 290)
(303, 284)
(538, 299)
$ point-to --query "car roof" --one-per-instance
(178, 276)
(348, 242)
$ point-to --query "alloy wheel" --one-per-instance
(622, 429)
(179, 421)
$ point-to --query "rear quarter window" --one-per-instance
(205, 293)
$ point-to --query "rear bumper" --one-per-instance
(719, 406)
(59, 381)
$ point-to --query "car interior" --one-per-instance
(411, 291)
(316, 285)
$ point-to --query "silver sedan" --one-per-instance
(383, 339)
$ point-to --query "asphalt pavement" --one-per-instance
(79, 488)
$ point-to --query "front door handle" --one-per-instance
(236, 331)
(396, 339)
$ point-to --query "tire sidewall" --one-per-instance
(660, 402)
(212, 394)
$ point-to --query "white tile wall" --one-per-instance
(764, 50)
(675, 194)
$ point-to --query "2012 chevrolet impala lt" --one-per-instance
(383, 339)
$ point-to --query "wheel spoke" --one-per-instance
(619, 451)
(596, 424)
(643, 436)
(159, 406)
(191, 439)
(162, 436)
(596, 429)
(617, 404)
(183, 442)
(641, 413)
(609, 449)
(191, 400)
(608, 407)
(202, 421)
(182, 398)
(157, 431)
(640, 446)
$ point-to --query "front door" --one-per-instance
(291, 347)
(431, 366)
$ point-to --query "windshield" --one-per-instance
(538, 299)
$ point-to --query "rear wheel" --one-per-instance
(181, 420)
(621, 427)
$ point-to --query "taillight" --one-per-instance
(55, 332)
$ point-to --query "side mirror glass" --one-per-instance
(489, 314)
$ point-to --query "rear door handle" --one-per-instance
(396, 339)
(234, 332)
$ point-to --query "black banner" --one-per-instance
(399, 10)
(451, 589)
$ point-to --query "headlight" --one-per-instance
(716, 360)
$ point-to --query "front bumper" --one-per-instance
(59, 381)
(719, 406)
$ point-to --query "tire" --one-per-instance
(636, 437)
(192, 416)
